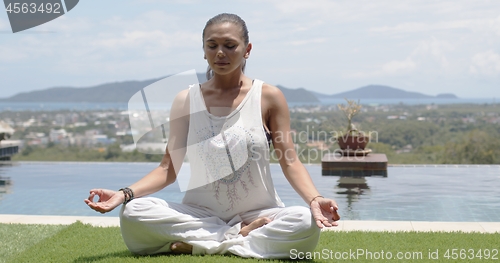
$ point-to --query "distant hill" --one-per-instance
(121, 92)
(109, 92)
(447, 96)
(382, 92)
(298, 95)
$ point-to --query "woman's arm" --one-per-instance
(162, 176)
(166, 173)
(278, 119)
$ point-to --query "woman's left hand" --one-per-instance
(324, 212)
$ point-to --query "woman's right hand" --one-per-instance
(108, 200)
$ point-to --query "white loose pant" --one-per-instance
(150, 225)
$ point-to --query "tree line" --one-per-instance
(449, 134)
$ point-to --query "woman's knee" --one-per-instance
(298, 221)
(309, 226)
(129, 211)
(298, 214)
(140, 207)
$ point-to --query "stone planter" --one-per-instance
(353, 142)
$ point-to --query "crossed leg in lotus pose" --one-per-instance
(183, 248)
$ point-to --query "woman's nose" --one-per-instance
(220, 53)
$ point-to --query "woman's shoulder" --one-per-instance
(182, 96)
(269, 88)
(180, 105)
(272, 94)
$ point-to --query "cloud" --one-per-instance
(133, 39)
(432, 51)
(388, 11)
(365, 40)
(493, 25)
(390, 68)
(68, 25)
(307, 42)
(149, 20)
(293, 7)
(151, 33)
(485, 25)
(170, 2)
(398, 66)
(428, 56)
(8, 54)
(86, 42)
(4, 25)
(305, 15)
(404, 27)
(148, 43)
(485, 63)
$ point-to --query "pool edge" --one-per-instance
(343, 225)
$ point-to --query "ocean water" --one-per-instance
(415, 101)
(82, 106)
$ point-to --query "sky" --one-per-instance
(431, 47)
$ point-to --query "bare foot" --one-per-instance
(246, 229)
(181, 248)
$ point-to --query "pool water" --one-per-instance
(416, 193)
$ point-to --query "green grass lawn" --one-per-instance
(85, 243)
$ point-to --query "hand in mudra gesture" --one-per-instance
(108, 200)
(324, 212)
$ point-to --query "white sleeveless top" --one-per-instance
(229, 157)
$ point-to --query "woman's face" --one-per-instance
(224, 48)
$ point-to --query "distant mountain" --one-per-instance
(121, 92)
(447, 96)
(298, 95)
(382, 92)
(109, 92)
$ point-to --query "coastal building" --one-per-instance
(7, 148)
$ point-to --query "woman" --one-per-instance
(231, 205)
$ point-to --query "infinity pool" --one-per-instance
(417, 193)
